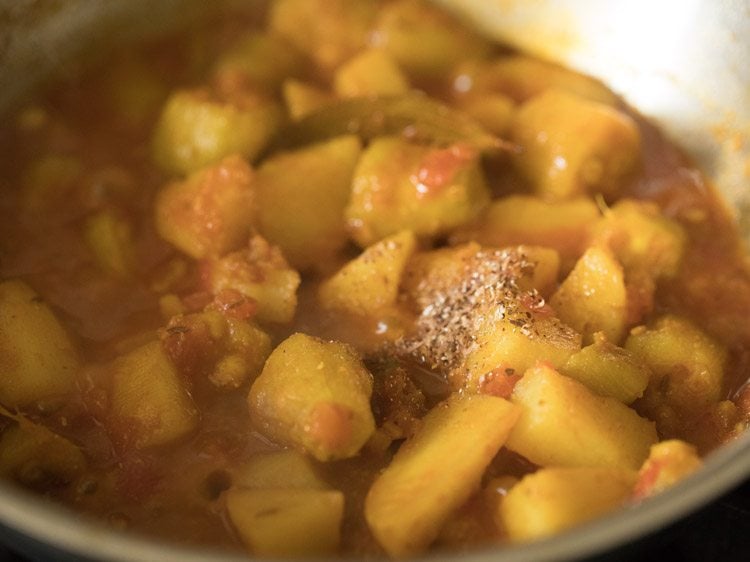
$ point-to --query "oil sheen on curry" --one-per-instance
(344, 278)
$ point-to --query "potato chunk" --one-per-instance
(211, 212)
(521, 77)
(195, 130)
(279, 469)
(38, 360)
(302, 196)
(314, 395)
(687, 365)
(524, 219)
(437, 470)
(667, 463)
(36, 456)
(287, 522)
(555, 499)
(398, 185)
(257, 60)
(642, 238)
(370, 282)
(328, 31)
(302, 98)
(371, 73)
(150, 405)
(593, 298)
(261, 273)
(608, 370)
(572, 146)
(424, 40)
(603, 432)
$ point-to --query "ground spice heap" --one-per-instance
(486, 290)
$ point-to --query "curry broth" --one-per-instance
(102, 160)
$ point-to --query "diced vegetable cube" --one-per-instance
(279, 469)
(257, 60)
(36, 456)
(195, 130)
(642, 238)
(521, 77)
(668, 463)
(608, 370)
(687, 365)
(555, 499)
(38, 361)
(524, 219)
(111, 240)
(314, 395)
(502, 344)
(424, 40)
(603, 432)
(572, 146)
(329, 31)
(398, 185)
(494, 111)
(370, 282)
(287, 522)
(261, 273)
(150, 405)
(302, 196)
(302, 98)
(370, 73)
(593, 297)
(211, 212)
(436, 471)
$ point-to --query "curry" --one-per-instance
(345, 278)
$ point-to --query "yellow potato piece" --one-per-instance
(278, 469)
(642, 239)
(609, 370)
(302, 196)
(149, 403)
(563, 423)
(211, 212)
(555, 499)
(36, 456)
(572, 146)
(314, 395)
(526, 219)
(38, 360)
(593, 298)
(287, 522)
(503, 345)
(370, 282)
(667, 463)
(436, 471)
(195, 130)
(370, 73)
(399, 185)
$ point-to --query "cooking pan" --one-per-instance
(681, 63)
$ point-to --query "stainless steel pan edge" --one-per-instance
(700, 94)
